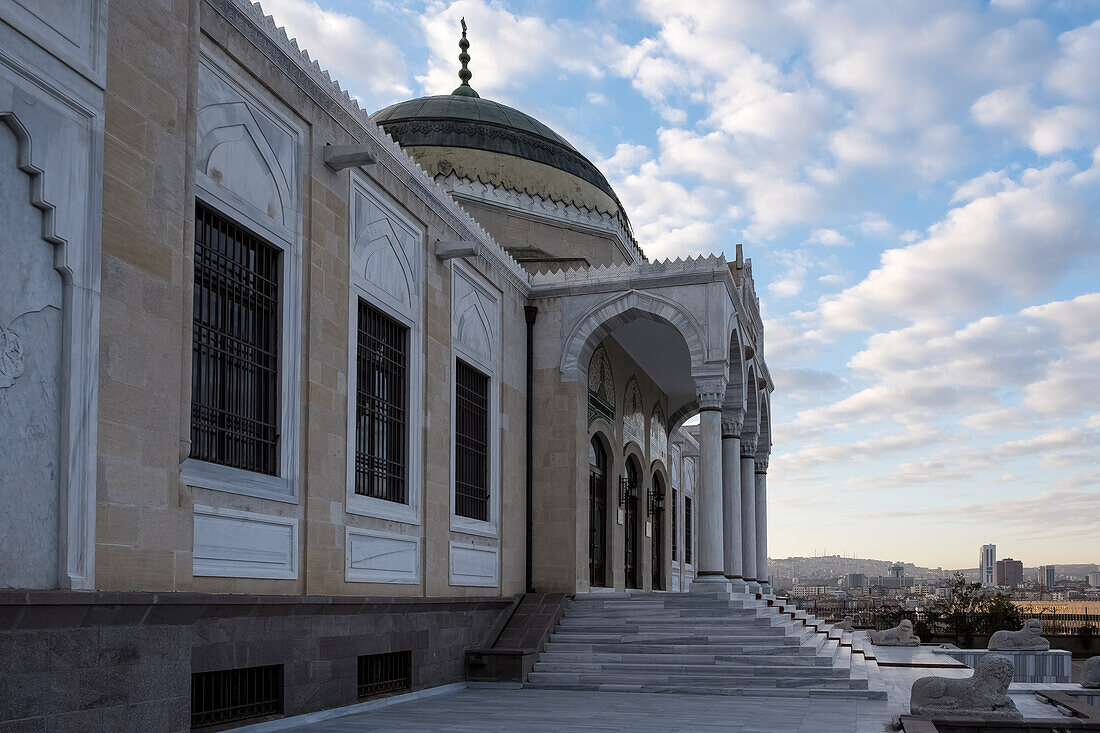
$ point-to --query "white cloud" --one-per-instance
(828, 237)
(367, 64)
(508, 51)
(1015, 242)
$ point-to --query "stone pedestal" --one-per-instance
(1052, 665)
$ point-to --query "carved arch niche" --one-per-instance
(384, 252)
(601, 388)
(633, 416)
(244, 151)
(658, 434)
(475, 320)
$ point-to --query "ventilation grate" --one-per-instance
(228, 695)
(385, 674)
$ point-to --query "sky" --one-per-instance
(917, 185)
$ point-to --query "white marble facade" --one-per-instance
(52, 73)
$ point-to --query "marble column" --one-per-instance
(710, 573)
(731, 497)
(748, 512)
(761, 471)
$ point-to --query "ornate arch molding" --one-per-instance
(751, 429)
(735, 387)
(764, 442)
(60, 148)
(603, 318)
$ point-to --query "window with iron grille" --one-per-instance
(235, 347)
(471, 442)
(381, 404)
(675, 514)
(385, 674)
(230, 695)
(687, 529)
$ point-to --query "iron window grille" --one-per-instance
(687, 529)
(384, 674)
(235, 352)
(381, 405)
(229, 695)
(471, 442)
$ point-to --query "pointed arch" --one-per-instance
(736, 386)
(764, 442)
(602, 318)
(751, 428)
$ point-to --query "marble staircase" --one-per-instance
(701, 643)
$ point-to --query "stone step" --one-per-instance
(711, 627)
(838, 693)
(723, 669)
(682, 639)
(744, 660)
(689, 680)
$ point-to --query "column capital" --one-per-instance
(732, 421)
(711, 392)
(761, 462)
(748, 445)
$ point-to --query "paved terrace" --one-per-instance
(491, 709)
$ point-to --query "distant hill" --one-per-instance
(836, 566)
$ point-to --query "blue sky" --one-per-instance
(917, 185)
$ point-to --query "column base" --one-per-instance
(711, 584)
(753, 586)
(737, 583)
(766, 589)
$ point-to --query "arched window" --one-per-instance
(601, 387)
(633, 417)
(658, 434)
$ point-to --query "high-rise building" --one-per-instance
(1008, 573)
(897, 571)
(1046, 576)
(987, 562)
(1094, 580)
(859, 580)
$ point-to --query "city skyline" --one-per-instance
(921, 215)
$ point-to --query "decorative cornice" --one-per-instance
(549, 208)
(761, 463)
(260, 30)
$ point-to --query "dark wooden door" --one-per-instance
(630, 533)
(658, 543)
(597, 515)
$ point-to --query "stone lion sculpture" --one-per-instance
(846, 624)
(1090, 673)
(900, 635)
(983, 694)
(1029, 638)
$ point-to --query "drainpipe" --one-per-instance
(531, 312)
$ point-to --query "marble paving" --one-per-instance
(529, 710)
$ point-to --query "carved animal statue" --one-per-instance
(984, 694)
(1029, 638)
(846, 624)
(901, 635)
(1090, 673)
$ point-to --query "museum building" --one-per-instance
(310, 399)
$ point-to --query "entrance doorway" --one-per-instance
(630, 529)
(597, 514)
(657, 507)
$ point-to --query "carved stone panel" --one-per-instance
(30, 405)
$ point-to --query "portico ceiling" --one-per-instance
(661, 353)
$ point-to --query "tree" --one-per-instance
(970, 610)
(1001, 613)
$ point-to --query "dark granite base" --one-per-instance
(95, 661)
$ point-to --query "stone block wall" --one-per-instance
(123, 661)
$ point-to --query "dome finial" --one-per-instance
(464, 89)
